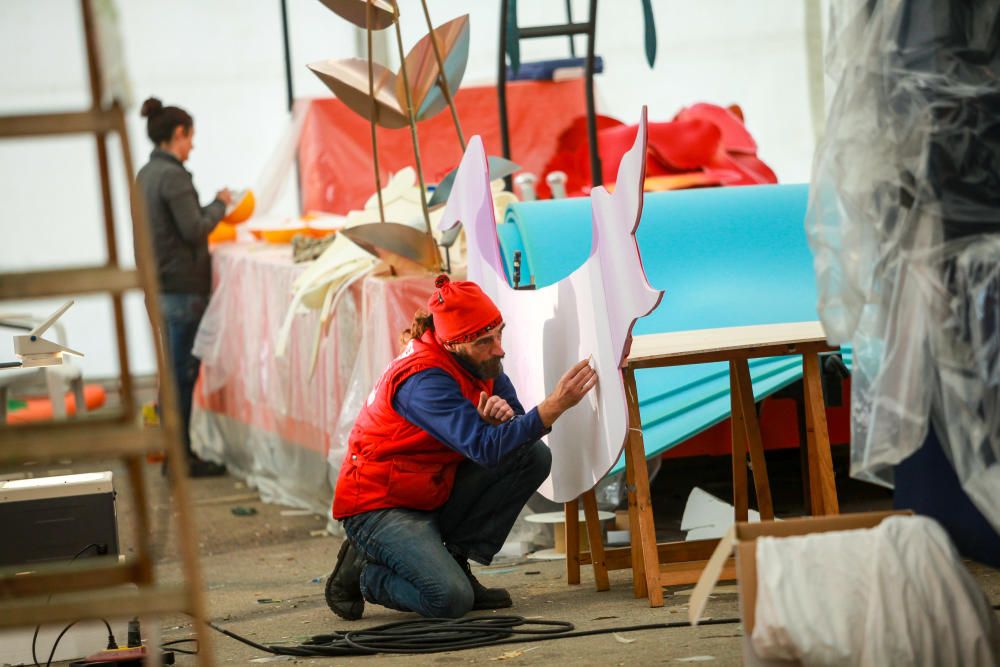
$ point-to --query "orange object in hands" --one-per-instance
(223, 233)
(242, 209)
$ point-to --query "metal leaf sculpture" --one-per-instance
(348, 79)
(428, 76)
(401, 246)
(499, 167)
(421, 64)
(383, 14)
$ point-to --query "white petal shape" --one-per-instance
(589, 313)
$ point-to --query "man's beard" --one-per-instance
(484, 370)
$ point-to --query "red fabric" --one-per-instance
(461, 310)
(779, 428)
(734, 134)
(335, 154)
(391, 462)
(700, 139)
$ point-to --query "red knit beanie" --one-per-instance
(461, 310)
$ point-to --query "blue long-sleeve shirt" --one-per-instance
(433, 400)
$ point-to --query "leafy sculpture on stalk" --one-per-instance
(427, 78)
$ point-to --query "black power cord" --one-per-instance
(112, 644)
(172, 645)
(435, 635)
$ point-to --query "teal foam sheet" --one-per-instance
(723, 256)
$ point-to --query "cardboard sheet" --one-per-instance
(589, 313)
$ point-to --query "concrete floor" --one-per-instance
(264, 576)
(284, 558)
(270, 556)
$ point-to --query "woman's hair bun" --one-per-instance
(151, 106)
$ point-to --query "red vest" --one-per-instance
(391, 462)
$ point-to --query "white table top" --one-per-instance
(682, 343)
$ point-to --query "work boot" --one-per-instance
(485, 598)
(343, 586)
(201, 468)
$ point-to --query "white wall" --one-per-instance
(222, 60)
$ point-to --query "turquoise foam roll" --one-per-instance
(723, 256)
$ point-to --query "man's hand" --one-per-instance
(225, 196)
(494, 409)
(571, 388)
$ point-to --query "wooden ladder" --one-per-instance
(511, 32)
(96, 586)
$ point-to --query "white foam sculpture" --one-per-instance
(591, 312)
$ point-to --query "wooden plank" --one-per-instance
(146, 601)
(741, 498)
(619, 558)
(143, 534)
(638, 572)
(48, 578)
(596, 541)
(63, 282)
(48, 124)
(643, 534)
(572, 527)
(729, 342)
(78, 440)
(681, 551)
(688, 572)
(615, 558)
(825, 492)
(755, 445)
(815, 504)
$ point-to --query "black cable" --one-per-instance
(34, 637)
(180, 641)
(52, 653)
(174, 642)
(441, 634)
(34, 640)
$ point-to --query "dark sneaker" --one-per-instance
(200, 468)
(343, 586)
(485, 598)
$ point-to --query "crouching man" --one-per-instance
(439, 464)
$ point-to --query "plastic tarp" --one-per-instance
(724, 257)
(267, 417)
(904, 218)
(896, 594)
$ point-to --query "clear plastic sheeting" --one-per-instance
(896, 594)
(388, 306)
(270, 418)
(904, 223)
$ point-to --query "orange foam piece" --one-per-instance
(40, 408)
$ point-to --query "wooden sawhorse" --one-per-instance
(655, 565)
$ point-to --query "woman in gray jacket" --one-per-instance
(180, 227)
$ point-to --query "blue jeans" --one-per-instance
(181, 317)
(411, 566)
